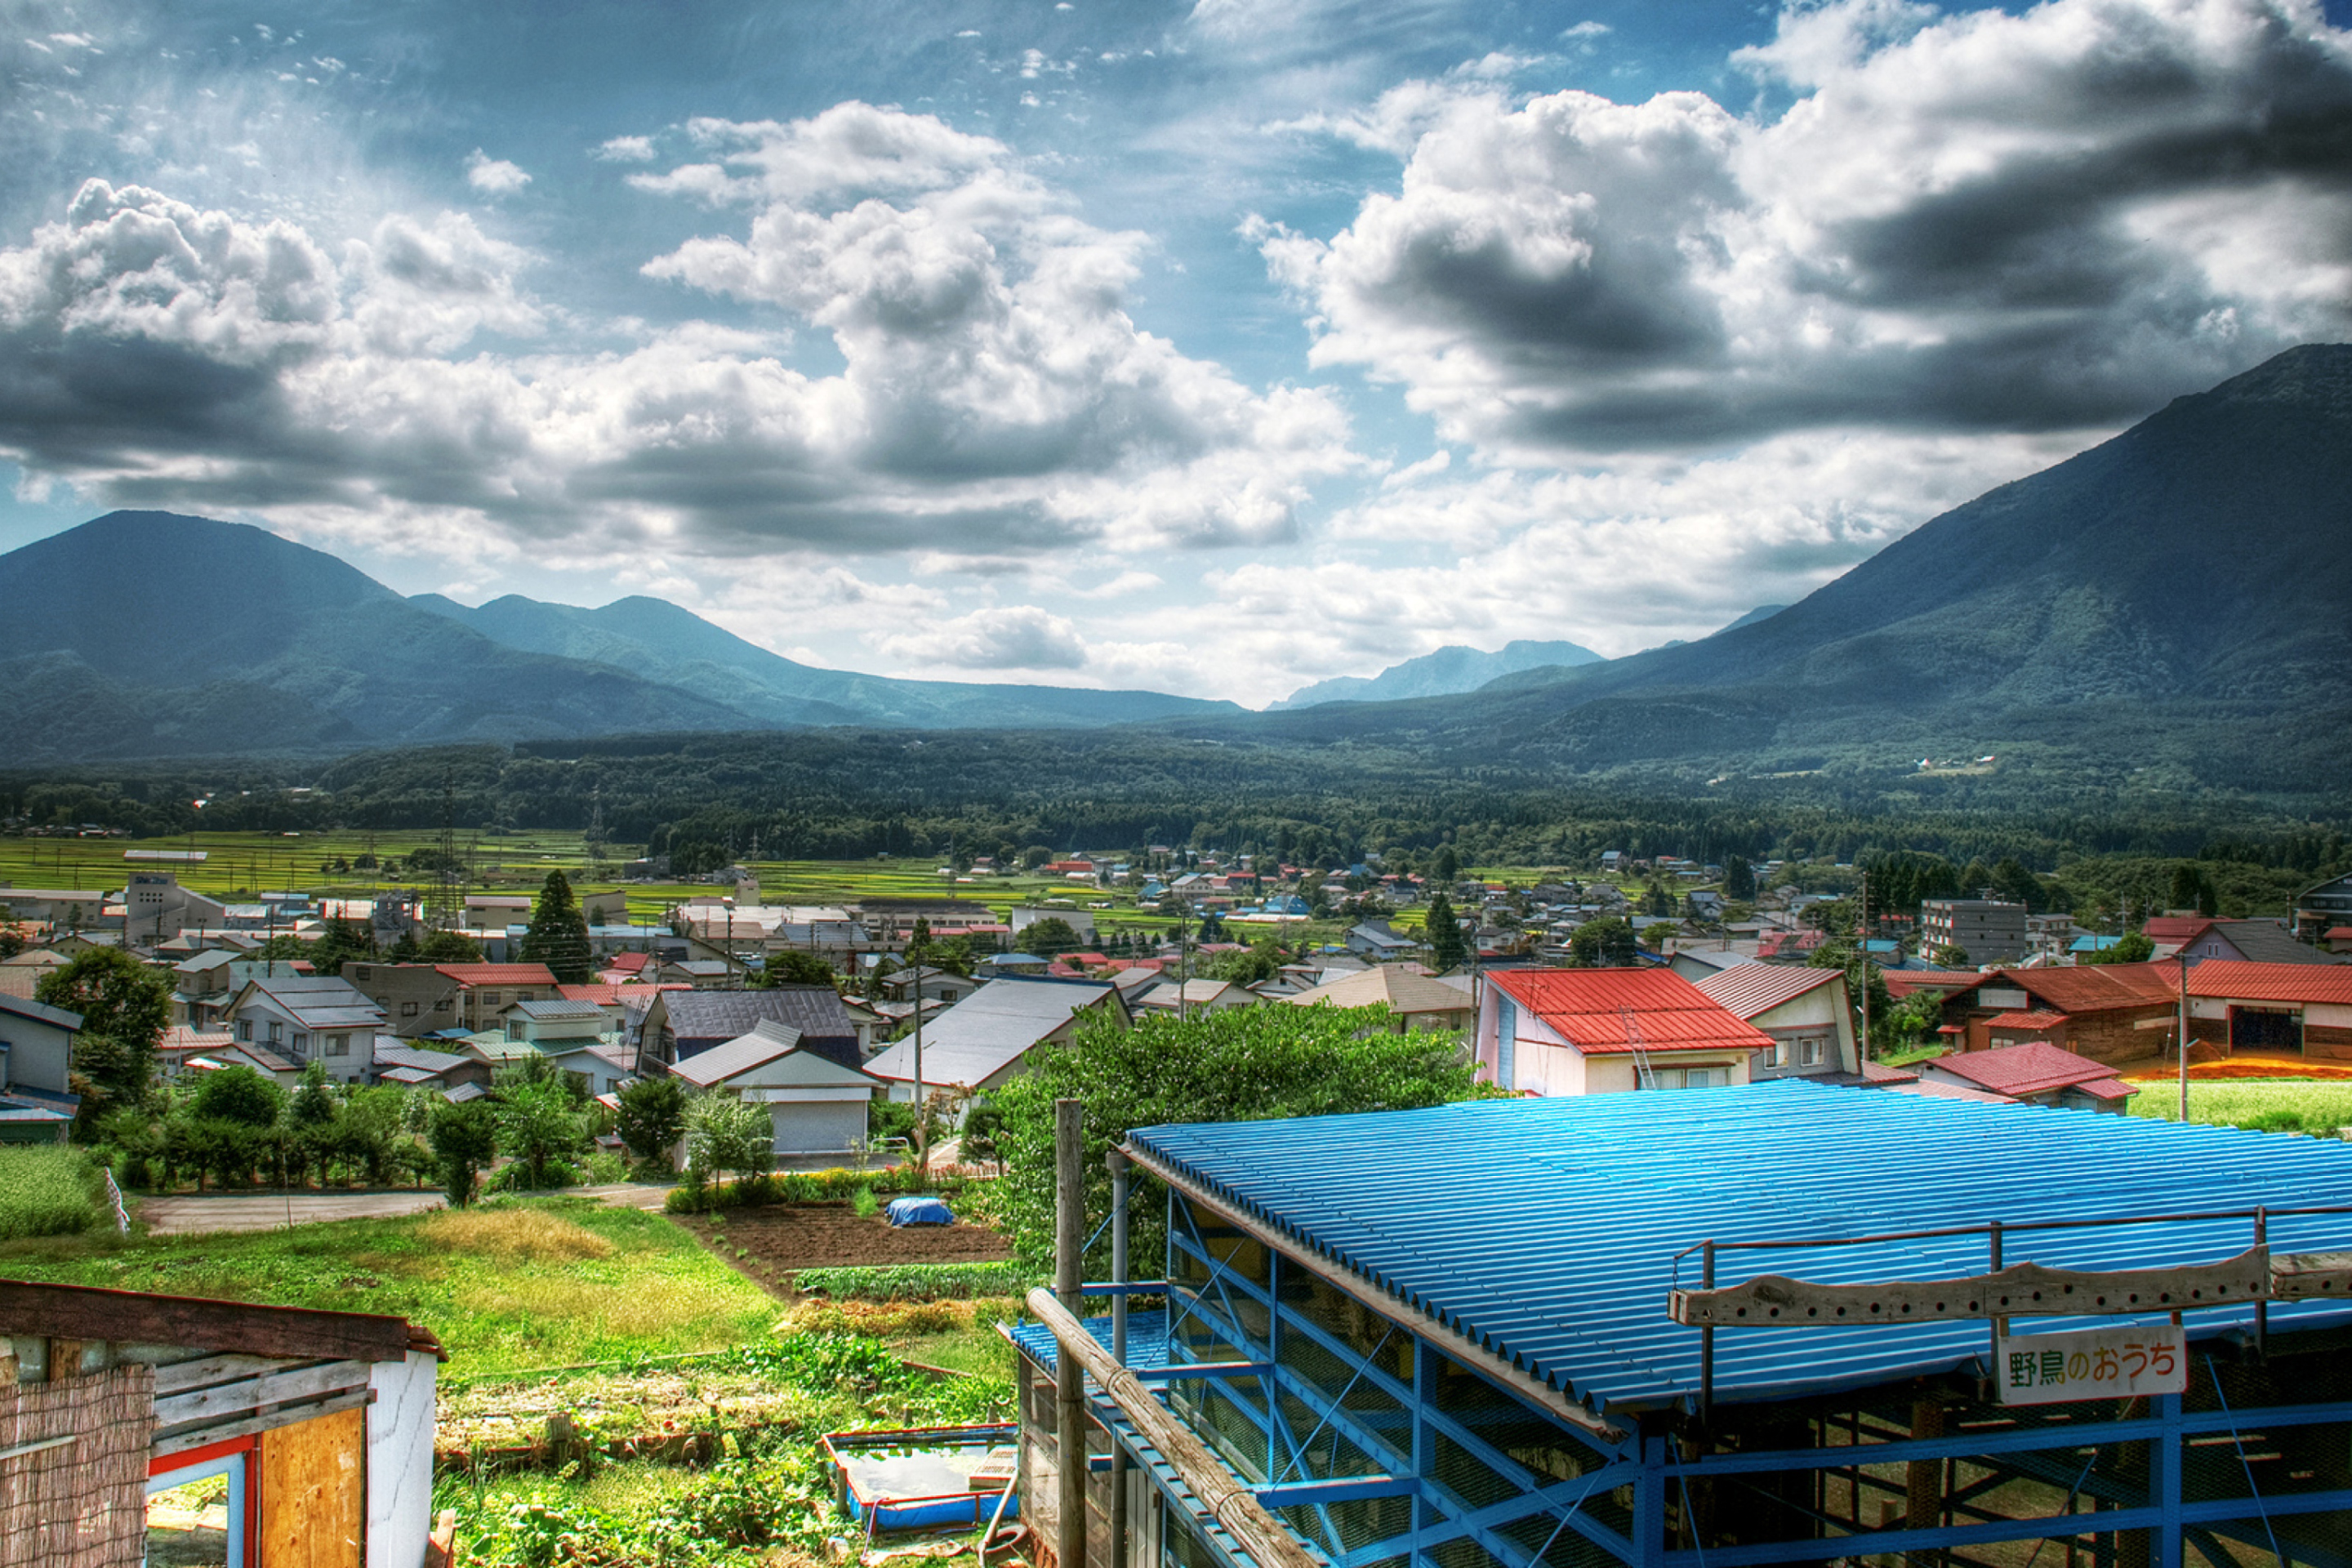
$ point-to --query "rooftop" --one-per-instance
(1398, 988)
(2034, 1067)
(988, 1030)
(498, 973)
(1547, 1228)
(1745, 990)
(1590, 1009)
(2238, 981)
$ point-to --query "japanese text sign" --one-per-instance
(2101, 1363)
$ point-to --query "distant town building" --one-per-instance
(1988, 930)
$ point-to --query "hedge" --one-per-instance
(799, 1188)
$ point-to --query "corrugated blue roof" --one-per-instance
(1545, 1229)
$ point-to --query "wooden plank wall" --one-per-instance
(83, 1503)
(314, 1492)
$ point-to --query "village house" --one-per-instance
(2294, 1008)
(2032, 1073)
(1375, 942)
(985, 1040)
(1601, 1031)
(816, 1105)
(2255, 942)
(415, 1067)
(307, 1018)
(936, 985)
(2111, 1013)
(682, 1024)
(1194, 998)
(1805, 1012)
(37, 1102)
(1415, 1001)
(2319, 907)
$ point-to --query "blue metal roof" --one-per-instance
(1146, 1339)
(1545, 1229)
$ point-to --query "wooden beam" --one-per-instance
(2299, 1275)
(222, 1400)
(1265, 1538)
(131, 1317)
(2023, 1290)
(268, 1421)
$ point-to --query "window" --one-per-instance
(1809, 1053)
(277, 1031)
(442, 1006)
(245, 1028)
(302, 1044)
(408, 1009)
(1776, 1056)
(489, 998)
(339, 1044)
(1705, 1078)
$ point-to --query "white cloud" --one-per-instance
(626, 150)
(1019, 637)
(494, 177)
(1987, 221)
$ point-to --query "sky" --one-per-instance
(1213, 347)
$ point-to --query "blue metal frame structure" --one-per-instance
(1334, 1430)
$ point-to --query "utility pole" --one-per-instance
(922, 1136)
(1069, 1378)
(2184, 1036)
(1862, 1046)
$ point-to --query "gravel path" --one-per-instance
(271, 1211)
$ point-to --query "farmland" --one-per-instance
(2288, 1105)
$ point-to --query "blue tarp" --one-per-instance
(919, 1211)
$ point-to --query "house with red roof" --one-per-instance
(2035, 1073)
(2109, 1013)
(1603, 1031)
(2301, 1007)
(1803, 1009)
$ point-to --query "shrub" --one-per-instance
(864, 1204)
(518, 1177)
(603, 1167)
(918, 1281)
(690, 1197)
(45, 1192)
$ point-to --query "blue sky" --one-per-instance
(1217, 347)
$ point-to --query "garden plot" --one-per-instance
(771, 1245)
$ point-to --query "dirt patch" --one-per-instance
(771, 1245)
(2245, 1067)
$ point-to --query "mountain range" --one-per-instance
(2179, 598)
(143, 634)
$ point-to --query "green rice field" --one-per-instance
(2276, 1105)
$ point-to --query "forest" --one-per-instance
(846, 794)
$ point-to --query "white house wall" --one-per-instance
(400, 1460)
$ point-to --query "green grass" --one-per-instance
(544, 1282)
(917, 1282)
(2286, 1105)
(45, 1192)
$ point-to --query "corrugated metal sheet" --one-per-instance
(2238, 981)
(1545, 1229)
(1747, 989)
(1588, 1008)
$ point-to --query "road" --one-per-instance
(186, 1216)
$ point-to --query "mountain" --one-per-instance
(146, 634)
(1449, 670)
(655, 640)
(2177, 596)
(1761, 613)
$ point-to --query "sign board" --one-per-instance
(2098, 1363)
(2002, 997)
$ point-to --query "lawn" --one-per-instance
(2291, 1105)
(547, 1282)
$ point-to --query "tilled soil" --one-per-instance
(783, 1238)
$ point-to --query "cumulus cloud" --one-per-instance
(997, 400)
(494, 177)
(2044, 221)
(1017, 636)
(626, 150)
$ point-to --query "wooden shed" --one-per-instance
(317, 1426)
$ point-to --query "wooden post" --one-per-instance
(1120, 1165)
(1069, 1379)
(1926, 1480)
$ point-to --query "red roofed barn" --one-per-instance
(1585, 1031)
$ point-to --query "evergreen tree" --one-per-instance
(1446, 868)
(558, 936)
(1739, 880)
(1447, 952)
(1605, 944)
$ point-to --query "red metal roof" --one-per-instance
(498, 973)
(2034, 1067)
(2338, 933)
(2096, 987)
(1902, 983)
(2025, 1021)
(1587, 1007)
(2181, 928)
(2235, 981)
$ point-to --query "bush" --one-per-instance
(918, 1281)
(605, 1167)
(518, 1177)
(46, 1191)
(691, 1196)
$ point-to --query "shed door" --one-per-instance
(823, 1127)
(2266, 1029)
(314, 1492)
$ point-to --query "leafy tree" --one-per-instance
(652, 1118)
(539, 1128)
(1605, 944)
(125, 1008)
(984, 1128)
(1859, 973)
(1739, 880)
(1259, 962)
(2014, 882)
(1447, 951)
(1048, 936)
(2131, 948)
(11, 943)
(1656, 900)
(1950, 957)
(435, 947)
(464, 1139)
(1241, 1064)
(558, 935)
(724, 1133)
(795, 968)
(238, 1094)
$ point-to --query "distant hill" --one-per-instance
(146, 634)
(658, 640)
(2178, 596)
(1450, 669)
